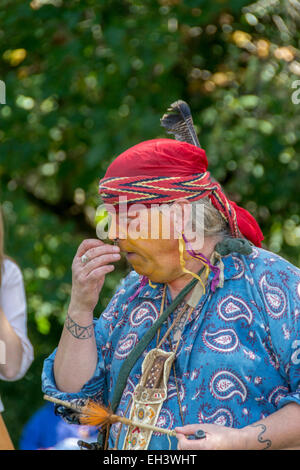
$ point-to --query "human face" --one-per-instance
(143, 240)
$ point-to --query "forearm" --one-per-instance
(76, 356)
(280, 430)
(12, 348)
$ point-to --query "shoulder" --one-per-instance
(276, 279)
(11, 273)
(265, 273)
(131, 280)
(264, 261)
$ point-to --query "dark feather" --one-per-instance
(178, 121)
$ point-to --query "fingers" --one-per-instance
(100, 261)
(99, 257)
(96, 274)
(87, 244)
(188, 429)
(92, 251)
(183, 442)
(96, 251)
(186, 444)
(88, 275)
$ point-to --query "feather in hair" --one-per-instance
(178, 121)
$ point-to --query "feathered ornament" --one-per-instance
(178, 121)
(94, 414)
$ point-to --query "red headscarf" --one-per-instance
(163, 170)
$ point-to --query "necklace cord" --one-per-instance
(133, 356)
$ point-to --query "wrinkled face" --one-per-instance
(148, 240)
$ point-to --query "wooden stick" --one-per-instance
(129, 422)
(5, 441)
(113, 418)
(63, 403)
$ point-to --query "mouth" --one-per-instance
(126, 252)
(130, 254)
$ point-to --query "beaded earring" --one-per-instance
(208, 266)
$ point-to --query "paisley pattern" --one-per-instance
(110, 312)
(125, 345)
(239, 266)
(233, 308)
(224, 340)
(277, 394)
(239, 354)
(274, 297)
(146, 314)
(221, 416)
(165, 420)
(296, 352)
(129, 390)
(172, 389)
(255, 253)
(298, 290)
(224, 385)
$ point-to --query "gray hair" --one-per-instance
(205, 220)
(214, 223)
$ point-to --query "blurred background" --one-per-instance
(85, 80)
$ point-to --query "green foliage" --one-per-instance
(86, 80)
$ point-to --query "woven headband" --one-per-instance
(160, 190)
(162, 171)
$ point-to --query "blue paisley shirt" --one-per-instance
(239, 355)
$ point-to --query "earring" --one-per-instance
(182, 262)
(152, 285)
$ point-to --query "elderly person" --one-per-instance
(225, 357)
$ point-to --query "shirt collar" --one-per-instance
(149, 292)
(232, 265)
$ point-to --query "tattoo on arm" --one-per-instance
(79, 332)
(260, 439)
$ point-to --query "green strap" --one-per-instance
(133, 356)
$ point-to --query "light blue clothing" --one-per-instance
(239, 354)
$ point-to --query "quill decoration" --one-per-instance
(178, 121)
